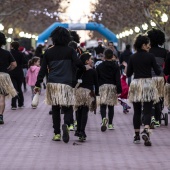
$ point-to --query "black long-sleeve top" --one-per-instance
(141, 64)
(160, 56)
(167, 67)
(89, 80)
(19, 58)
(109, 73)
(61, 61)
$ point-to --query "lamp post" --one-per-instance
(164, 19)
(1, 27)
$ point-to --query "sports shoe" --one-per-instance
(152, 125)
(65, 136)
(34, 107)
(82, 137)
(57, 137)
(157, 124)
(104, 123)
(71, 128)
(77, 133)
(111, 127)
(1, 119)
(125, 111)
(50, 112)
(13, 108)
(136, 139)
(146, 137)
(21, 107)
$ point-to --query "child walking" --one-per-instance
(125, 89)
(85, 96)
(109, 87)
(32, 73)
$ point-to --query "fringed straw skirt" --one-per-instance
(83, 98)
(6, 86)
(59, 94)
(167, 95)
(143, 90)
(160, 83)
(108, 95)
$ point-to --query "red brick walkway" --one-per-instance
(25, 144)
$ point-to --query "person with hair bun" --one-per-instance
(142, 88)
(7, 63)
(17, 76)
(61, 61)
(157, 39)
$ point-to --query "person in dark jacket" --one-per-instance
(142, 88)
(167, 86)
(17, 76)
(124, 57)
(60, 60)
(126, 54)
(109, 87)
(157, 39)
(7, 63)
(99, 50)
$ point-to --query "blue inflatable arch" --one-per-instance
(110, 36)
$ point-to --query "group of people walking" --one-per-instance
(76, 84)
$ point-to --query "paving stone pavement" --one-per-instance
(26, 143)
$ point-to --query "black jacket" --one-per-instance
(167, 67)
(141, 64)
(109, 73)
(19, 58)
(125, 56)
(89, 80)
(60, 61)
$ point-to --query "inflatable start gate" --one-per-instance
(110, 36)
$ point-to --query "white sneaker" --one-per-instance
(111, 127)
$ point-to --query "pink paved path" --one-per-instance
(25, 144)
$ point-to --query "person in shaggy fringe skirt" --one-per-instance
(142, 89)
(60, 60)
(157, 39)
(7, 63)
(109, 88)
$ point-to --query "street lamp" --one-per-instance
(21, 34)
(152, 23)
(9, 39)
(137, 29)
(10, 30)
(145, 26)
(164, 17)
(1, 27)
(130, 31)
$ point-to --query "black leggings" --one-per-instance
(147, 113)
(82, 116)
(110, 112)
(57, 118)
(157, 109)
(17, 83)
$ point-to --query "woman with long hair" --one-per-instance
(142, 88)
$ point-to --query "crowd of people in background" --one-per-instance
(78, 79)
